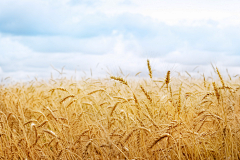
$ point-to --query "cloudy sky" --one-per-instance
(103, 35)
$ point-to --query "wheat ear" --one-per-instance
(159, 139)
(167, 80)
(146, 94)
(61, 89)
(64, 99)
(149, 68)
(120, 80)
(220, 76)
(216, 91)
(114, 107)
(179, 101)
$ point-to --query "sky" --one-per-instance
(95, 38)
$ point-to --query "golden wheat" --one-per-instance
(135, 119)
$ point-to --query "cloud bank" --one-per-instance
(98, 35)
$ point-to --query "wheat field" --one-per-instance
(119, 118)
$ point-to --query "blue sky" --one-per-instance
(103, 35)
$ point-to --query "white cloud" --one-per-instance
(174, 12)
(10, 47)
(194, 57)
(121, 33)
(1, 71)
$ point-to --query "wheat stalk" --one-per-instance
(96, 91)
(50, 132)
(42, 124)
(71, 103)
(179, 101)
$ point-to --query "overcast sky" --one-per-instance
(103, 35)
